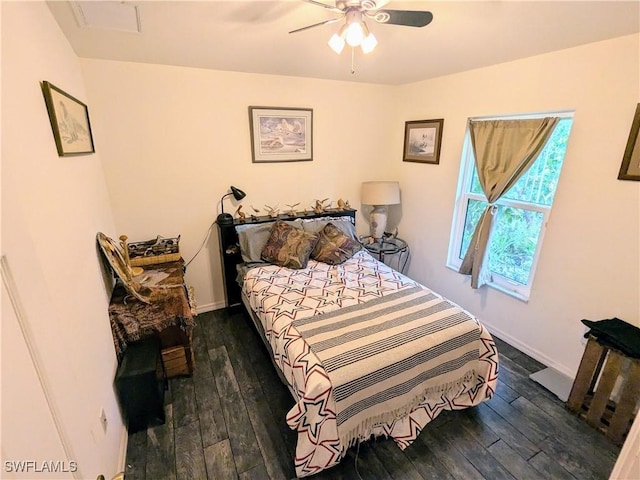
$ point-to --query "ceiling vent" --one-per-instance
(119, 16)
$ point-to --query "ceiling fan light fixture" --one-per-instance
(369, 43)
(355, 34)
(336, 42)
(354, 30)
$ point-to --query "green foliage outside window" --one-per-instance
(517, 228)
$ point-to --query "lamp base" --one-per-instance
(378, 221)
(224, 219)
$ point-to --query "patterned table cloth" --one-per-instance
(172, 304)
(279, 296)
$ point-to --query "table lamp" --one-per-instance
(226, 218)
(379, 195)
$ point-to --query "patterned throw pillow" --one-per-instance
(288, 246)
(252, 238)
(334, 246)
(315, 225)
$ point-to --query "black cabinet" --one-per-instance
(230, 257)
(140, 383)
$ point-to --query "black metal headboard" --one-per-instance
(230, 248)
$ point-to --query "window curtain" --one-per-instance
(503, 150)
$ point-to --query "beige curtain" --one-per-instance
(504, 150)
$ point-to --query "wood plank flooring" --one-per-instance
(227, 421)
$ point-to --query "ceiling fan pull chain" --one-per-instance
(353, 70)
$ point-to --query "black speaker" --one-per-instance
(140, 383)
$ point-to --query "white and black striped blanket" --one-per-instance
(388, 355)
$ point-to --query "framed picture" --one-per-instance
(281, 134)
(69, 119)
(630, 168)
(422, 140)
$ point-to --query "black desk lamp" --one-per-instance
(226, 218)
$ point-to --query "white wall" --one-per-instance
(52, 208)
(174, 139)
(589, 262)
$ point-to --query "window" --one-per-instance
(523, 213)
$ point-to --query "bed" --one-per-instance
(364, 350)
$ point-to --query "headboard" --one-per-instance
(230, 248)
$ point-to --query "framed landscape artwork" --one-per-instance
(422, 140)
(281, 134)
(69, 119)
(630, 168)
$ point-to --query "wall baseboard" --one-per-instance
(122, 459)
(536, 354)
(209, 307)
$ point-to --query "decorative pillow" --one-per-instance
(334, 246)
(289, 246)
(345, 224)
(253, 237)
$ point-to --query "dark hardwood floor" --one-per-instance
(228, 421)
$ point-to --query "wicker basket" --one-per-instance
(151, 252)
(152, 260)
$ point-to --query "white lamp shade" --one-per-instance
(354, 34)
(369, 43)
(380, 193)
(336, 42)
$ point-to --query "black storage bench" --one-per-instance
(140, 383)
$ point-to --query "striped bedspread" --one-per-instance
(288, 301)
(388, 356)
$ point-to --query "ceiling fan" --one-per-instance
(355, 32)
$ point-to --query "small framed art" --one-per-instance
(69, 119)
(630, 168)
(422, 140)
(281, 134)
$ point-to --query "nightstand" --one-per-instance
(392, 251)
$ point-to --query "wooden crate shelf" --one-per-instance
(590, 397)
(175, 361)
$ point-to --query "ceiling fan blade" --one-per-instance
(323, 5)
(326, 22)
(373, 4)
(409, 18)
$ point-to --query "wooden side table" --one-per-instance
(612, 344)
(170, 316)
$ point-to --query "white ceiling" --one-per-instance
(252, 36)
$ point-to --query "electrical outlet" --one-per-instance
(103, 420)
